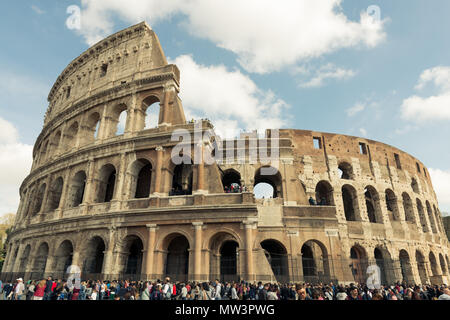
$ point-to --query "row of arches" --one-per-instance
(373, 206)
(100, 124)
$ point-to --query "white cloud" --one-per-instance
(37, 9)
(15, 161)
(229, 98)
(441, 184)
(265, 35)
(434, 107)
(357, 108)
(329, 71)
(363, 132)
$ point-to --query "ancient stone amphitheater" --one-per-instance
(105, 194)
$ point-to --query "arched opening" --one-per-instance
(70, 136)
(141, 176)
(134, 248)
(423, 220)
(384, 262)
(421, 267)
(121, 121)
(182, 179)
(271, 176)
(63, 258)
(442, 263)
(359, 263)
(76, 193)
(24, 259)
(55, 194)
(431, 217)
(438, 219)
(415, 185)
(55, 143)
(228, 260)
(373, 205)
(91, 128)
(43, 153)
(276, 255)
(231, 181)
(93, 259)
(263, 191)
(39, 199)
(345, 171)
(408, 207)
(315, 262)
(433, 264)
(40, 261)
(106, 183)
(151, 108)
(350, 200)
(324, 194)
(405, 264)
(177, 261)
(392, 206)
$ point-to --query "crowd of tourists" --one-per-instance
(59, 289)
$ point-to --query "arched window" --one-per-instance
(391, 205)
(141, 175)
(151, 107)
(93, 257)
(121, 124)
(182, 179)
(92, 125)
(324, 194)
(405, 264)
(431, 217)
(345, 171)
(106, 184)
(39, 199)
(55, 194)
(373, 205)
(350, 200)
(415, 185)
(270, 176)
(76, 193)
(423, 220)
(70, 136)
(408, 207)
(230, 180)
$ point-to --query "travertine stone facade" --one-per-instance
(112, 201)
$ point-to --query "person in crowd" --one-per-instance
(39, 292)
(312, 201)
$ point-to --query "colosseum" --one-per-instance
(111, 199)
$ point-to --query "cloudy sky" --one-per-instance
(378, 69)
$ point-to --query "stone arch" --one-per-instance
(224, 256)
(443, 266)
(70, 136)
(438, 219)
(392, 205)
(63, 257)
(276, 255)
(140, 174)
(423, 219)
(408, 207)
(43, 152)
(39, 199)
(77, 188)
(229, 177)
(271, 176)
(433, 264)
(350, 201)
(406, 268)
(421, 267)
(119, 118)
(373, 206)
(182, 178)
(24, 259)
(383, 260)
(132, 256)
(152, 111)
(324, 193)
(106, 183)
(431, 217)
(40, 261)
(93, 256)
(54, 194)
(415, 185)
(345, 170)
(54, 143)
(315, 262)
(91, 127)
(176, 262)
(359, 263)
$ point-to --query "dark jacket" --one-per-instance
(48, 287)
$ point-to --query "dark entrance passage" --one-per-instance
(228, 261)
(177, 262)
(276, 255)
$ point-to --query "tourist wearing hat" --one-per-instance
(19, 289)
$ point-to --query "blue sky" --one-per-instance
(388, 80)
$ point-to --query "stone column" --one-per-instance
(89, 187)
(166, 116)
(158, 169)
(249, 225)
(65, 191)
(150, 252)
(120, 182)
(200, 169)
(108, 263)
(198, 226)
